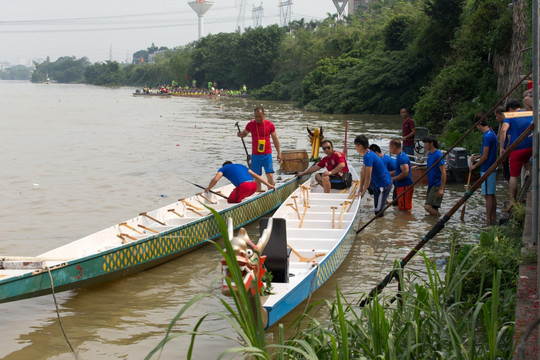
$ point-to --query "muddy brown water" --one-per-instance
(76, 159)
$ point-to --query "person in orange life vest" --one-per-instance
(335, 165)
(241, 177)
(261, 130)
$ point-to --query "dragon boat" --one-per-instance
(307, 239)
(142, 242)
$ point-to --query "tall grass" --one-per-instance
(439, 315)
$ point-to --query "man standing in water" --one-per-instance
(374, 175)
(408, 132)
(436, 176)
(261, 130)
(402, 176)
(487, 158)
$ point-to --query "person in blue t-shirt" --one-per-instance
(402, 176)
(436, 176)
(514, 125)
(374, 175)
(486, 159)
(390, 164)
(241, 177)
(499, 115)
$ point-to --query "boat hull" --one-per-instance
(139, 255)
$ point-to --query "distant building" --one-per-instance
(355, 4)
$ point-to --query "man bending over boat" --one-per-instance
(374, 175)
(336, 168)
(241, 177)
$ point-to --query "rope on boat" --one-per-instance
(58, 315)
(440, 224)
(445, 153)
(312, 286)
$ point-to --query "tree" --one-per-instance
(257, 49)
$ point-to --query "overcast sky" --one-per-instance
(34, 29)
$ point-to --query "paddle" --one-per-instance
(202, 187)
(245, 148)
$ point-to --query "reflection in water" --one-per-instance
(99, 156)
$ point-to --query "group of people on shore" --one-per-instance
(380, 172)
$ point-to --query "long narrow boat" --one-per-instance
(144, 241)
(320, 237)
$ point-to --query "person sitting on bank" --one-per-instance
(336, 167)
(241, 177)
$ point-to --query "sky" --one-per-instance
(34, 29)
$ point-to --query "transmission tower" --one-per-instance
(340, 7)
(285, 12)
(241, 20)
(258, 14)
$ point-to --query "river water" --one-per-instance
(76, 159)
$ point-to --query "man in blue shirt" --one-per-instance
(373, 173)
(241, 177)
(402, 176)
(436, 176)
(514, 125)
(486, 159)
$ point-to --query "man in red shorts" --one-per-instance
(513, 126)
(241, 177)
(336, 167)
(402, 175)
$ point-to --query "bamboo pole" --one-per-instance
(151, 218)
(130, 227)
(303, 215)
(295, 209)
(303, 258)
(334, 208)
(175, 213)
(147, 228)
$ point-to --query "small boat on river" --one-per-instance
(142, 242)
(311, 234)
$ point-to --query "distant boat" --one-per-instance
(48, 81)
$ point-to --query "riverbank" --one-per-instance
(527, 292)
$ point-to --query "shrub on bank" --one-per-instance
(467, 314)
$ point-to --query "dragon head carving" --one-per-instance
(249, 258)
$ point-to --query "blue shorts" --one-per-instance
(488, 186)
(258, 162)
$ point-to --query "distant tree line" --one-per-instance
(17, 72)
(431, 56)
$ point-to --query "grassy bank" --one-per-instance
(464, 311)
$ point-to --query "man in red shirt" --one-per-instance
(408, 132)
(261, 130)
(335, 165)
